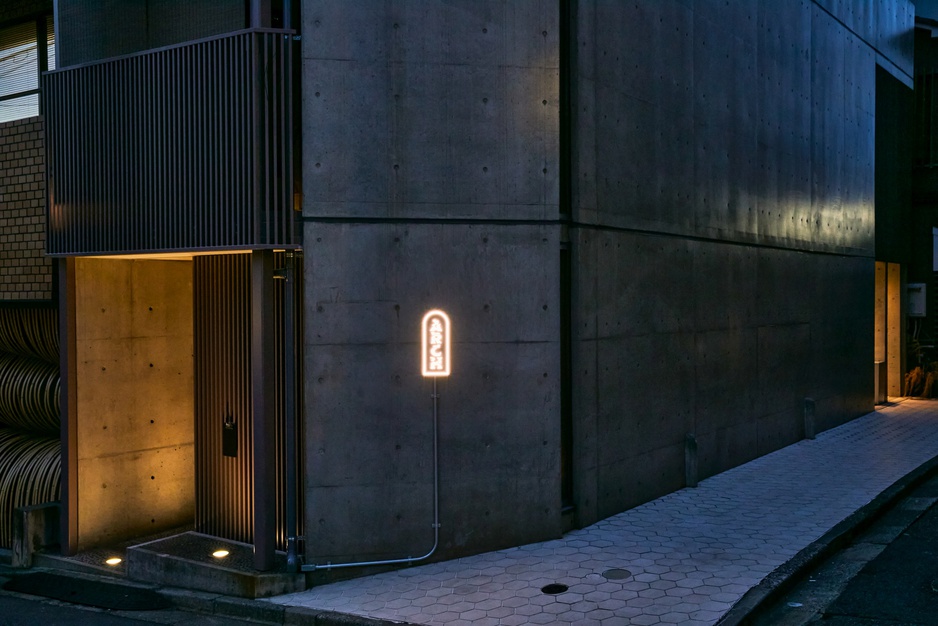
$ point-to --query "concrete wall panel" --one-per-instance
(884, 26)
(726, 284)
(784, 363)
(644, 285)
(134, 494)
(646, 390)
(787, 282)
(722, 168)
(627, 483)
(587, 436)
(727, 447)
(766, 328)
(134, 398)
(778, 430)
(727, 369)
(644, 173)
(347, 158)
(750, 121)
(369, 412)
(444, 113)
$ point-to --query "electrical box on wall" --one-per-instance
(916, 293)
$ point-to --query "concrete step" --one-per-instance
(186, 560)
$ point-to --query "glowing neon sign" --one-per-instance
(435, 344)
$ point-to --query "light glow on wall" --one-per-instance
(435, 344)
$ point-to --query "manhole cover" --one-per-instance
(554, 588)
(617, 574)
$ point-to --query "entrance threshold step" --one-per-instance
(186, 560)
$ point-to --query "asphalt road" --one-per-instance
(888, 576)
(22, 610)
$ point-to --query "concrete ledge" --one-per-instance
(329, 618)
(65, 564)
(249, 609)
(34, 528)
(185, 561)
(198, 601)
(783, 578)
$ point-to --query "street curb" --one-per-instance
(785, 576)
(264, 612)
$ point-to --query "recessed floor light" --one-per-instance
(114, 560)
(220, 554)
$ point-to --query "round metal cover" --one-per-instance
(554, 588)
(617, 574)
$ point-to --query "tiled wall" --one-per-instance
(25, 273)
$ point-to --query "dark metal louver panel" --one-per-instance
(222, 316)
(179, 149)
(224, 485)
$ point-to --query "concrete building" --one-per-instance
(671, 236)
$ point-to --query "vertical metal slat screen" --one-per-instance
(224, 485)
(178, 149)
(222, 326)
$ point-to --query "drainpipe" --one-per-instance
(289, 374)
(256, 14)
(436, 506)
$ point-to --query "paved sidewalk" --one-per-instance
(687, 557)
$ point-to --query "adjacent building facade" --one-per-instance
(670, 235)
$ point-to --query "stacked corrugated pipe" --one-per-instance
(30, 449)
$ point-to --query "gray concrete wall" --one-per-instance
(722, 174)
(723, 168)
(424, 124)
(134, 398)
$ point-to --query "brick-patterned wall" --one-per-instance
(25, 272)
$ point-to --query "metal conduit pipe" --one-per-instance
(290, 410)
(436, 506)
(256, 14)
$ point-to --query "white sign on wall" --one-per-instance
(435, 344)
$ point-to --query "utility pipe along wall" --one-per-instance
(30, 451)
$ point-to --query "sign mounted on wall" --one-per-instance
(435, 344)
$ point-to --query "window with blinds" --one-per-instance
(26, 50)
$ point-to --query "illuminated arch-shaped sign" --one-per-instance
(435, 344)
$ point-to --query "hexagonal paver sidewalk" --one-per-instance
(688, 557)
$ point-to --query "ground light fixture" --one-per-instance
(114, 560)
(220, 554)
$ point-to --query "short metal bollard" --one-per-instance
(809, 428)
(690, 460)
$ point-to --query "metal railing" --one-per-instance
(182, 148)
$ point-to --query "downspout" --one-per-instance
(256, 14)
(436, 506)
(289, 374)
(289, 370)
